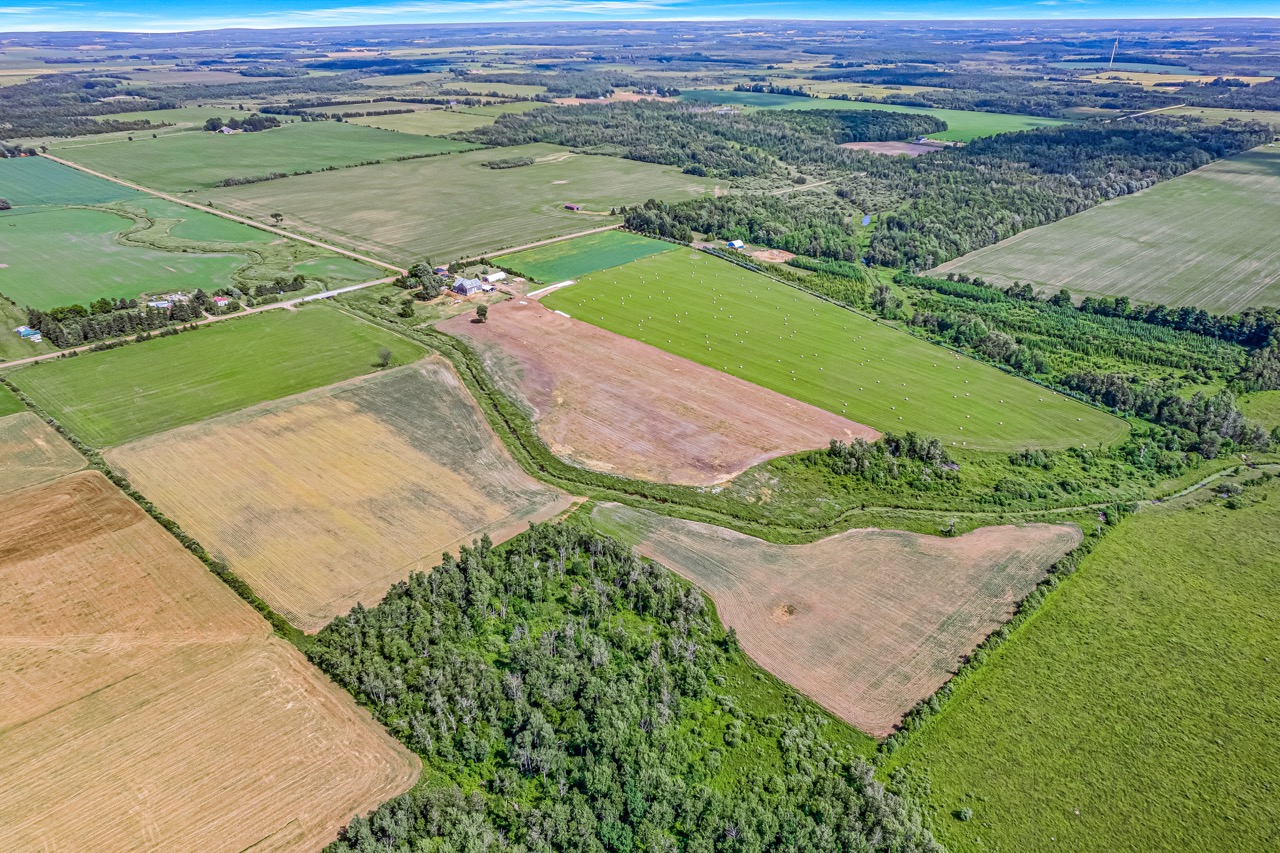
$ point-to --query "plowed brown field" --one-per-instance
(326, 499)
(31, 452)
(614, 404)
(143, 706)
(868, 622)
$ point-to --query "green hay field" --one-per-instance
(187, 161)
(61, 256)
(9, 404)
(962, 125)
(107, 398)
(509, 107)
(36, 182)
(582, 255)
(718, 314)
(1136, 711)
(64, 255)
(426, 122)
(1206, 239)
(450, 207)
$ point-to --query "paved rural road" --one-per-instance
(242, 220)
(288, 303)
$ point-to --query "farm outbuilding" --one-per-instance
(490, 278)
(467, 286)
(736, 244)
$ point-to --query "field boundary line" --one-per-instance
(547, 242)
(231, 216)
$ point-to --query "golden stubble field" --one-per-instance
(868, 622)
(615, 404)
(326, 499)
(31, 452)
(143, 706)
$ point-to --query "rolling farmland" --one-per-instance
(187, 161)
(426, 122)
(111, 397)
(469, 209)
(59, 250)
(69, 255)
(327, 499)
(146, 707)
(32, 452)
(962, 125)
(1203, 239)
(745, 324)
(1135, 711)
(867, 623)
(574, 258)
(616, 405)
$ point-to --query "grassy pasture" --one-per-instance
(145, 707)
(1211, 115)
(36, 182)
(180, 117)
(718, 314)
(450, 207)
(1203, 239)
(30, 450)
(60, 256)
(574, 258)
(962, 125)
(187, 161)
(866, 623)
(426, 122)
(1263, 407)
(324, 500)
(1136, 710)
(107, 398)
(9, 404)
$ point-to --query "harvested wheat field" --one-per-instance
(868, 622)
(326, 499)
(144, 706)
(617, 405)
(31, 452)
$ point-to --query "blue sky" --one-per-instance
(166, 15)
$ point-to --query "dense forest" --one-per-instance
(566, 695)
(707, 142)
(931, 208)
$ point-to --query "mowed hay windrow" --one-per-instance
(614, 404)
(144, 706)
(868, 622)
(326, 499)
(31, 452)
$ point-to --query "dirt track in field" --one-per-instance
(32, 452)
(617, 405)
(143, 706)
(910, 149)
(867, 623)
(326, 499)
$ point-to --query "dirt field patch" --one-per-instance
(145, 707)
(326, 499)
(773, 256)
(617, 405)
(911, 149)
(868, 622)
(31, 452)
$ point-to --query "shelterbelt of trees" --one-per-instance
(568, 696)
(946, 204)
